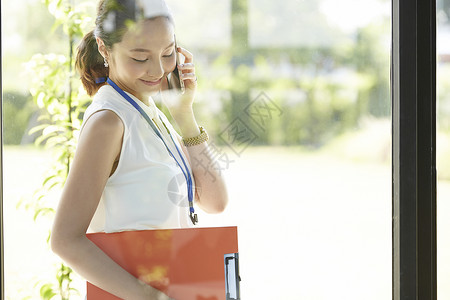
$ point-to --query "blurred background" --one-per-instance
(295, 96)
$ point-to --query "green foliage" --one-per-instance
(322, 91)
(17, 110)
(62, 102)
(334, 89)
(371, 59)
(62, 107)
(74, 19)
(63, 290)
(321, 109)
(47, 292)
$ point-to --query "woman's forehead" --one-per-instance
(153, 34)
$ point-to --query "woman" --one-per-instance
(129, 156)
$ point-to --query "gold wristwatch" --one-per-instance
(197, 140)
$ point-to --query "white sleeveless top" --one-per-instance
(148, 189)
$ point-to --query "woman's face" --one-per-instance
(144, 57)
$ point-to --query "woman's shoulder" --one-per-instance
(108, 99)
(106, 95)
(106, 121)
(105, 111)
(103, 121)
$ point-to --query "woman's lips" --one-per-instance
(151, 82)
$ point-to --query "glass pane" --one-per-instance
(443, 148)
(295, 98)
(311, 194)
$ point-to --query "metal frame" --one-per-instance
(413, 92)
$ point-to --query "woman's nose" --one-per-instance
(155, 70)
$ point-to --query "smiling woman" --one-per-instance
(128, 152)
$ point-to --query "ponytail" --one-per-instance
(89, 64)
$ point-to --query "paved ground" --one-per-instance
(311, 226)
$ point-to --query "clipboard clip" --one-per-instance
(232, 277)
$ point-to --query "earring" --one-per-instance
(105, 62)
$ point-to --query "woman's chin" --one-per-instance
(150, 90)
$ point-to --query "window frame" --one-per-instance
(413, 100)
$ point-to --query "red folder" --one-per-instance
(186, 264)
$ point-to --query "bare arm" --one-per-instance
(99, 146)
(212, 195)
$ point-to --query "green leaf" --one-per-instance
(53, 185)
(43, 211)
(49, 236)
(37, 128)
(47, 292)
(48, 179)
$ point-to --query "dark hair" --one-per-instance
(113, 20)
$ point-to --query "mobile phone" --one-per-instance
(177, 72)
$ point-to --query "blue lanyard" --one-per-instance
(187, 174)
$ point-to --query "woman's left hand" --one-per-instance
(176, 102)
